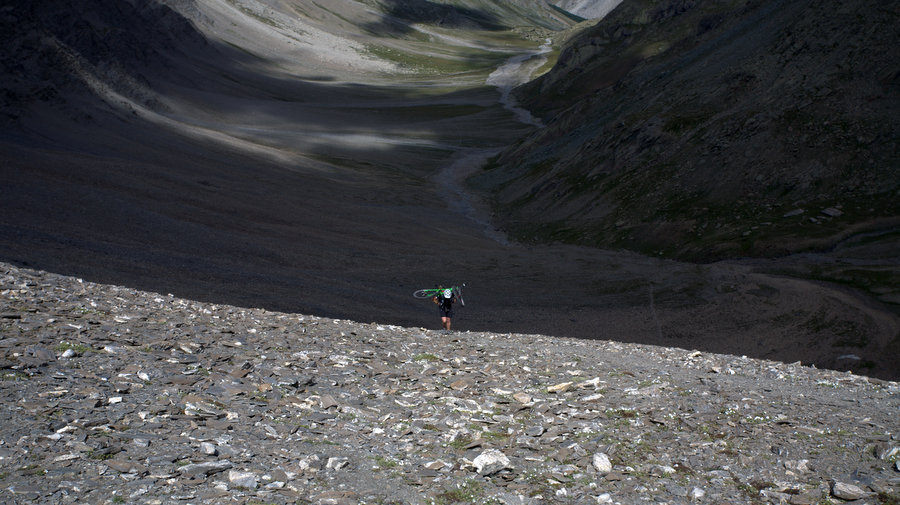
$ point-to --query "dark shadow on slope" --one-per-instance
(49, 41)
(93, 190)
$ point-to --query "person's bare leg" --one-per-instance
(446, 323)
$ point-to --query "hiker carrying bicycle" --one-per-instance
(445, 300)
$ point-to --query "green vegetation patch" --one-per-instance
(461, 442)
(99, 455)
(469, 491)
(493, 435)
(254, 15)
(432, 64)
(32, 469)
(79, 348)
(383, 463)
(14, 376)
(888, 498)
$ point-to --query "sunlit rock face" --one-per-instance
(588, 9)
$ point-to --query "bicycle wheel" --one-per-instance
(424, 293)
(459, 295)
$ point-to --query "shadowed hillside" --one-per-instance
(264, 153)
(705, 131)
(709, 131)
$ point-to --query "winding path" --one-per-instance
(451, 179)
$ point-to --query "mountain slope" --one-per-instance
(303, 156)
(113, 392)
(704, 131)
(263, 152)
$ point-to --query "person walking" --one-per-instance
(444, 301)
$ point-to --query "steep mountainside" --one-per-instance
(704, 130)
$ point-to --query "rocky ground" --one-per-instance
(113, 395)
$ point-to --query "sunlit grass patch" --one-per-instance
(472, 61)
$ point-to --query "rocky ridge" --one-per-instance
(119, 396)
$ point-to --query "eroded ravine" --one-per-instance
(451, 178)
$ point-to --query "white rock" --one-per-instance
(337, 463)
(535, 431)
(800, 466)
(522, 397)
(604, 498)
(697, 494)
(602, 463)
(435, 465)
(208, 468)
(886, 451)
(591, 383)
(490, 462)
(662, 470)
(846, 491)
(559, 388)
(208, 448)
(247, 480)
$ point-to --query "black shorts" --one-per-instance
(446, 312)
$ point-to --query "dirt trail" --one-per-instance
(519, 70)
(451, 186)
(451, 179)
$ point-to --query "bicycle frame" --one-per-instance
(432, 292)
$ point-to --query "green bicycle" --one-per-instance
(432, 292)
